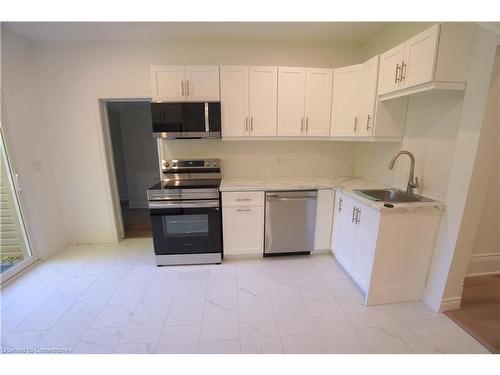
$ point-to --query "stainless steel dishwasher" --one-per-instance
(290, 222)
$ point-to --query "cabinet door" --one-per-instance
(338, 212)
(263, 86)
(390, 69)
(324, 216)
(420, 59)
(365, 245)
(318, 101)
(345, 250)
(368, 97)
(291, 98)
(202, 83)
(345, 102)
(234, 100)
(167, 83)
(243, 230)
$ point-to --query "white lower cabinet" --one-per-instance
(324, 217)
(243, 223)
(386, 252)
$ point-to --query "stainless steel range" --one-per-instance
(185, 212)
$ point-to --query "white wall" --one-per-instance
(467, 186)
(74, 76)
(24, 125)
(485, 257)
(270, 158)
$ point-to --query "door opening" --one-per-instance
(135, 159)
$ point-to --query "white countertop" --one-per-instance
(345, 184)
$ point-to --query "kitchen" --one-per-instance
(290, 120)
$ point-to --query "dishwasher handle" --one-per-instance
(277, 198)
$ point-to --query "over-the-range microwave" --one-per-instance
(188, 120)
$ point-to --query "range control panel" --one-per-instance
(190, 164)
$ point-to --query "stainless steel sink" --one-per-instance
(391, 196)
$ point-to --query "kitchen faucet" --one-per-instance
(412, 182)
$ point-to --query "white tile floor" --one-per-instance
(113, 299)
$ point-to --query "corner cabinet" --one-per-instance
(386, 252)
(345, 101)
(304, 101)
(179, 83)
(437, 58)
(248, 101)
(324, 217)
(356, 110)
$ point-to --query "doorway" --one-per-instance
(135, 159)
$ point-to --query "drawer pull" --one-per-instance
(243, 210)
(243, 199)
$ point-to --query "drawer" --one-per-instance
(243, 198)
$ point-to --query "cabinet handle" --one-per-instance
(340, 204)
(251, 123)
(182, 86)
(243, 199)
(246, 124)
(396, 79)
(243, 210)
(355, 123)
(187, 88)
(353, 220)
(302, 124)
(368, 118)
(307, 124)
(358, 215)
(403, 71)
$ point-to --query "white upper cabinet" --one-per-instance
(437, 58)
(234, 100)
(304, 101)
(421, 51)
(168, 83)
(291, 99)
(356, 110)
(178, 83)
(368, 96)
(318, 101)
(346, 99)
(248, 101)
(263, 87)
(202, 83)
(390, 69)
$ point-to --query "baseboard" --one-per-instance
(483, 264)
(92, 239)
(321, 251)
(452, 303)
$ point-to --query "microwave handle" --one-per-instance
(207, 120)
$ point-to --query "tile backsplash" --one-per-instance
(431, 132)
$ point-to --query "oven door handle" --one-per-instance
(184, 204)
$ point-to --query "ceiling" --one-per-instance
(345, 32)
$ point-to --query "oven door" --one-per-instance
(186, 227)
